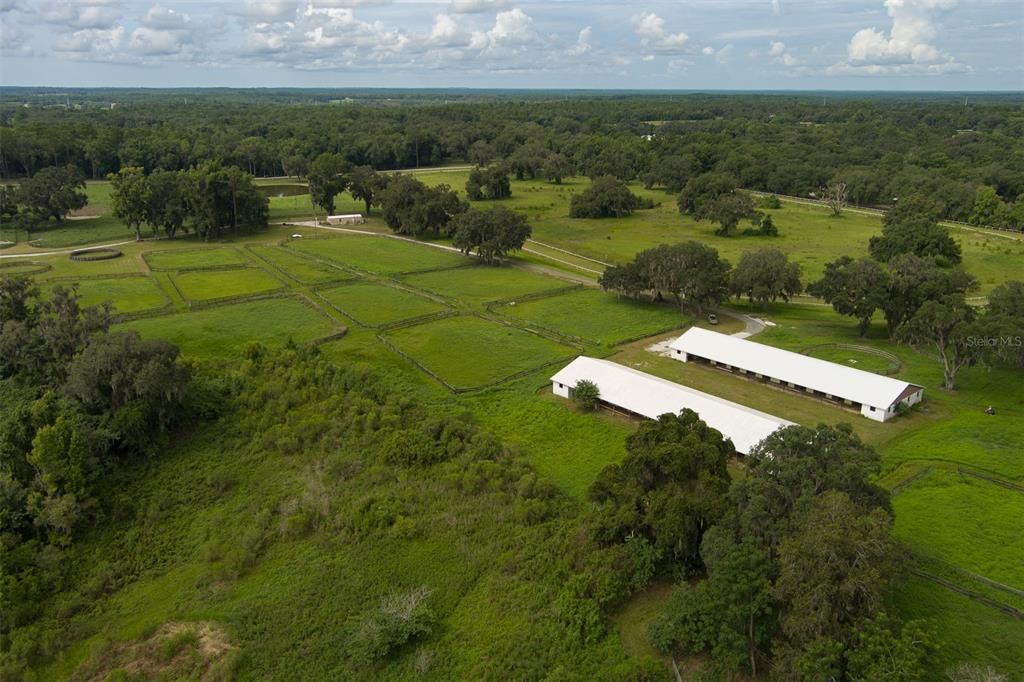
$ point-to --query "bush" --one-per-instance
(399, 620)
(586, 394)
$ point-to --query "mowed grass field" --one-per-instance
(191, 259)
(127, 294)
(301, 268)
(225, 330)
(209, 285)
(374, 305)
(595, 316)
(480, 284)
(469, 352)
(368, 254)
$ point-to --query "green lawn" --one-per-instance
(300, 268)
(22, 266)
(964, 521)
(381, 255)
(597, 316)
(483, 283)
(189, 259)
(853, 357)
(374, 305)
(209, 285)
(469, 351)
(127, 294)
(225, 330)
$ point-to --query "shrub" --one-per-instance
(586, 394)
(400, 619)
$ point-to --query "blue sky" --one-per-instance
(719, 44)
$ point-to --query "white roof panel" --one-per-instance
(857, 385)
(653, 396)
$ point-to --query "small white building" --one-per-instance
(346, 219)
(876, 396)
(638, 393)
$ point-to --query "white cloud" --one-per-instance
(475, 6)
(266, 10)
(81, 15)
(778, 53)
(92, 44)
(148, 42)
(511, 28)
(775, 7)
(445, 30)
(583, 45)
(650, 28)
(909, 41)
(163, 19)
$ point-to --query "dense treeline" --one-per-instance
(880, 149)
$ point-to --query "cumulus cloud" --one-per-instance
(650, 28)
(778, 53)
(263, 11)
(148, 42)
(583, 45)
(163, 19)
(511, 28)
(475, 6)
(89, 14)
(92, 44)
(909, 41)
(445, 30)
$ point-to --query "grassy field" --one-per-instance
(375, 305)
(597, 316)
(302, 269)
(962, 520)
(127, 294)
(853, 357)
(478, 285)
(225, 330)
(209, 285)
(965, 521)
(191, 259)
(468, 351)
(366, 253)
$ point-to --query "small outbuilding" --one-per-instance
(633, 392)
(346, 219)
(877, 397)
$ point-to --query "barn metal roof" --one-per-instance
(653, 396)
(834, 379)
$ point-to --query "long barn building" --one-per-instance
(876, 396)
(636, 393)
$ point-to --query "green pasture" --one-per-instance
(225, 330)
(368, 254)
(192, 259)
(810, 234)
(375, 305)
(596, 316)
(127, 294)
(853, 357)
(479, 284)
(468, 351)
(301, 268)
(208, 285)
(966, 521)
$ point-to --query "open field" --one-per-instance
(366, 253)
(225, 330)
(300, 268)
(596, 316)
(965, 521)
(209, 285)
(481, 284)
(193, 259)
(128, 294)
(468, 351)
(374, 305)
